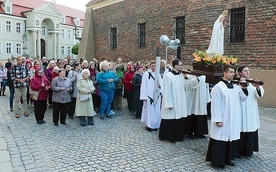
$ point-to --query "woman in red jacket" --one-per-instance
(40, 85)
(129, 90)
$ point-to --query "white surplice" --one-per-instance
(226, 108)
(250, 110)
(174, 95)
(151, 113)
(198, 97)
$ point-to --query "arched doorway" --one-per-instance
(43, 47)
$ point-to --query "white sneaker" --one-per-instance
(112, 112)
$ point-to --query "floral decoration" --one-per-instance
(217, 59)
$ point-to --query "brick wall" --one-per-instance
(258, 50)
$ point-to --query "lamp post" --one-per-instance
(173, 44)
(76, 33)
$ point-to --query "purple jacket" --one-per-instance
(49, 73)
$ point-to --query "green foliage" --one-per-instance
(75, 49)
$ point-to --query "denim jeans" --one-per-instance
(11, 96)
(107, 97)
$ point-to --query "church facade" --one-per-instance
(131, 30)
(36, 28)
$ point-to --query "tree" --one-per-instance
(75, 49)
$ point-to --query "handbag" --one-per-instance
(34, 94)
(85, 97)
(5, 82)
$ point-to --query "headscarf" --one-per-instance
(119, 69)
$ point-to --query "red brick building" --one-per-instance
(131, 29)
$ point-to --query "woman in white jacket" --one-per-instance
(84, 108)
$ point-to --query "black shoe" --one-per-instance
(221, 166)
(231, 163)
(3, 94)
(63, 123)
(92, 123)
(56, 124)
(191, 136)
(149, 129)
(239, 156)
(83, 125)
(200, 136)
(218, 166)
(101, 117)
(43, 121)
(39, 122)
(108, 116)
(71, 117)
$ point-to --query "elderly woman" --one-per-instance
(48, 73)
(74, 75)
(106, 80)
(96, 94)
(84, 107)
(40, 84)
(61, 87)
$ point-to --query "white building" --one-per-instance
(37, 28)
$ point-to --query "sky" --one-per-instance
(77, 4)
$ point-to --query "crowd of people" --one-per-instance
(173, 102)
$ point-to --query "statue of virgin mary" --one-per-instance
(217, 39)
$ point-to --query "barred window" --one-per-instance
(113, 37)
(180, 29)
(237, 24)
(142, 35)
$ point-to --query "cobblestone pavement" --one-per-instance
(117, 144)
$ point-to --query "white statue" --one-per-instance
(217, 39)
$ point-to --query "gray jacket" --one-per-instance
(61, 96)
(71, 76)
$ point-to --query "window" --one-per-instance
(8, 26)
(8, 9)
(0, 25)
(8, 47)
(69, 51)
(62, 33)
(237, 24)
(62, 50)
(113, 37)
(18, 48)
(69, 34)
(78, 23)
(0, 47)
(142, 34)
(43, 30)
(18, 27)
(180, 29)
(63, 19)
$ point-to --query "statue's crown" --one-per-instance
(225, 13)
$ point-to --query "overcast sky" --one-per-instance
(77, 4)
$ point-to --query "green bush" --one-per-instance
(75, 49)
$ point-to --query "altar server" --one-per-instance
(197, 99)
(174, 107)
(151, 113)
(226, 119)
(250, 116)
